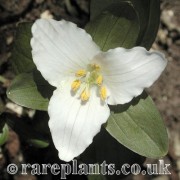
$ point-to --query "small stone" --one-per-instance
(15, 108)
(9, 40)
(46, 15)
(164, 98)
(169, 41)
(173, 34)
(162, 35)
(177, 144)
(20, 158)
(169, 19)
(177, 42)
(31, 113)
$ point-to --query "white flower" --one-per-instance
(86, 79)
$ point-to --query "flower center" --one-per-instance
(85, 79)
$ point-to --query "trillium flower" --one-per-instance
(86, 81)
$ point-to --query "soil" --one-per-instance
(165, 92)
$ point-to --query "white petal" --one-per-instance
(73, 124)
(60, 48)
(128, 71)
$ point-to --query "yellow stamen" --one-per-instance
(80, 73)
(85, 95)
(95, 66)
(75, 85)
(99, 80)
(103, 93)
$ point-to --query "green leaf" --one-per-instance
(98, 7)
(148, 13)
(106, 149)
(21, 58)
(30, 90)
(4, 135)
(39, 143)
(149, 16)
(121, 30)
(138, 126)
